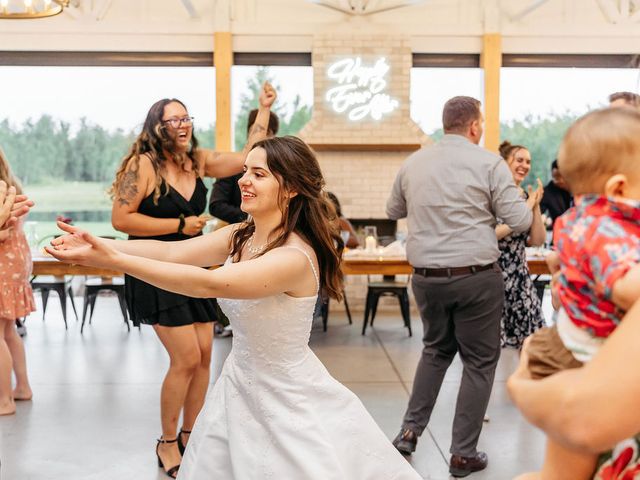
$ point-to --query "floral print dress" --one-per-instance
(16, 296)
(522, 314)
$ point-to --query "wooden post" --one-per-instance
(491, 62)
(223, 59)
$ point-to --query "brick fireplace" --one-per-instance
(361, 129)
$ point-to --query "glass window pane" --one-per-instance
(293, 106)
(537, 105)
(432, 87)
(65, 130)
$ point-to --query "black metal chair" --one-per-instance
(61, 285)
(324, 308)
(93, 286)
(540, 283)
(387, 287)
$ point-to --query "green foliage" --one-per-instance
(291, 120)
(436, 134)
(206, 137)
(46, 151)
(542, 136)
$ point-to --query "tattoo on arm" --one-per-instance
(127, 188)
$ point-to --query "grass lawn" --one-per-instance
(69, 196)
(60, 197)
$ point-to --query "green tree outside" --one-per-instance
(542, 137)
(292, 117)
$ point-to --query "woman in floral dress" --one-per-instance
(16, 300)
(522, 314)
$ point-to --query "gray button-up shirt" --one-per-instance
(451, 194)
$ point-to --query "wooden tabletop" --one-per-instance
(51, 266)
(350, 266)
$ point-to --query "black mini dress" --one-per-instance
(155, 306)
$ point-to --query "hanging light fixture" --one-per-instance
(25, 9)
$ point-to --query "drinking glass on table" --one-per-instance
(345, 234)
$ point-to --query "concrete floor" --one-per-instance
(95, 412)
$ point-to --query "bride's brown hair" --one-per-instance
(309, 213)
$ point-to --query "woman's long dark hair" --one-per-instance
(155, 141)
(310, 214)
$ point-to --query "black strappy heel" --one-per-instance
(173, 471)
(182, 446)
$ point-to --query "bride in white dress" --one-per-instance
(274, 412)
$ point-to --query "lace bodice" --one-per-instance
(271, 332)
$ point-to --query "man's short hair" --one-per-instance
(274, 121)
(554, 164)
(629, 98)
(459, 112)
(599, 145)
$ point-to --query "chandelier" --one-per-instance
(25, 9)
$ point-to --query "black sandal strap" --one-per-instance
(184, 431)
(162, 440)
(173, 471)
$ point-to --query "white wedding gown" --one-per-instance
(276, 413)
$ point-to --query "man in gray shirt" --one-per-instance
(451, 194)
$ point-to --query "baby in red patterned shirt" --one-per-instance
(598, 243)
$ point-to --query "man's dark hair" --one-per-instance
(629, 98)
(336, 203)
(554, 164)
(274, 121)
(459, 112)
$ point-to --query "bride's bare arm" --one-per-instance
(203, 251)
(280, 270)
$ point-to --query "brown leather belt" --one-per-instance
(453, 271)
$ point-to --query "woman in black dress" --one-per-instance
(522, 314)
(159, 194)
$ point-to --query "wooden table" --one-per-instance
(350, 266)
(51, 266)
(400, 266)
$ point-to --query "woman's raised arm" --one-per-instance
(225, 164)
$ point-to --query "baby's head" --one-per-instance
(600, 154)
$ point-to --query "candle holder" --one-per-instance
(370, 238)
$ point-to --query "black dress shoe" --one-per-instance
(463, 466)
(406, 441)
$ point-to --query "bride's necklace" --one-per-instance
(254, 250)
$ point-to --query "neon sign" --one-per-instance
(360, 89)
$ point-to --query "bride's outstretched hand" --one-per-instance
(79, 246)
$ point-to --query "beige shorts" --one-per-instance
(548, 355)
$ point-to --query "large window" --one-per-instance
(66, 129)
(294, 85)
(537, 105)
(432, 87)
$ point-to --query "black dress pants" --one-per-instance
(460, 314)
